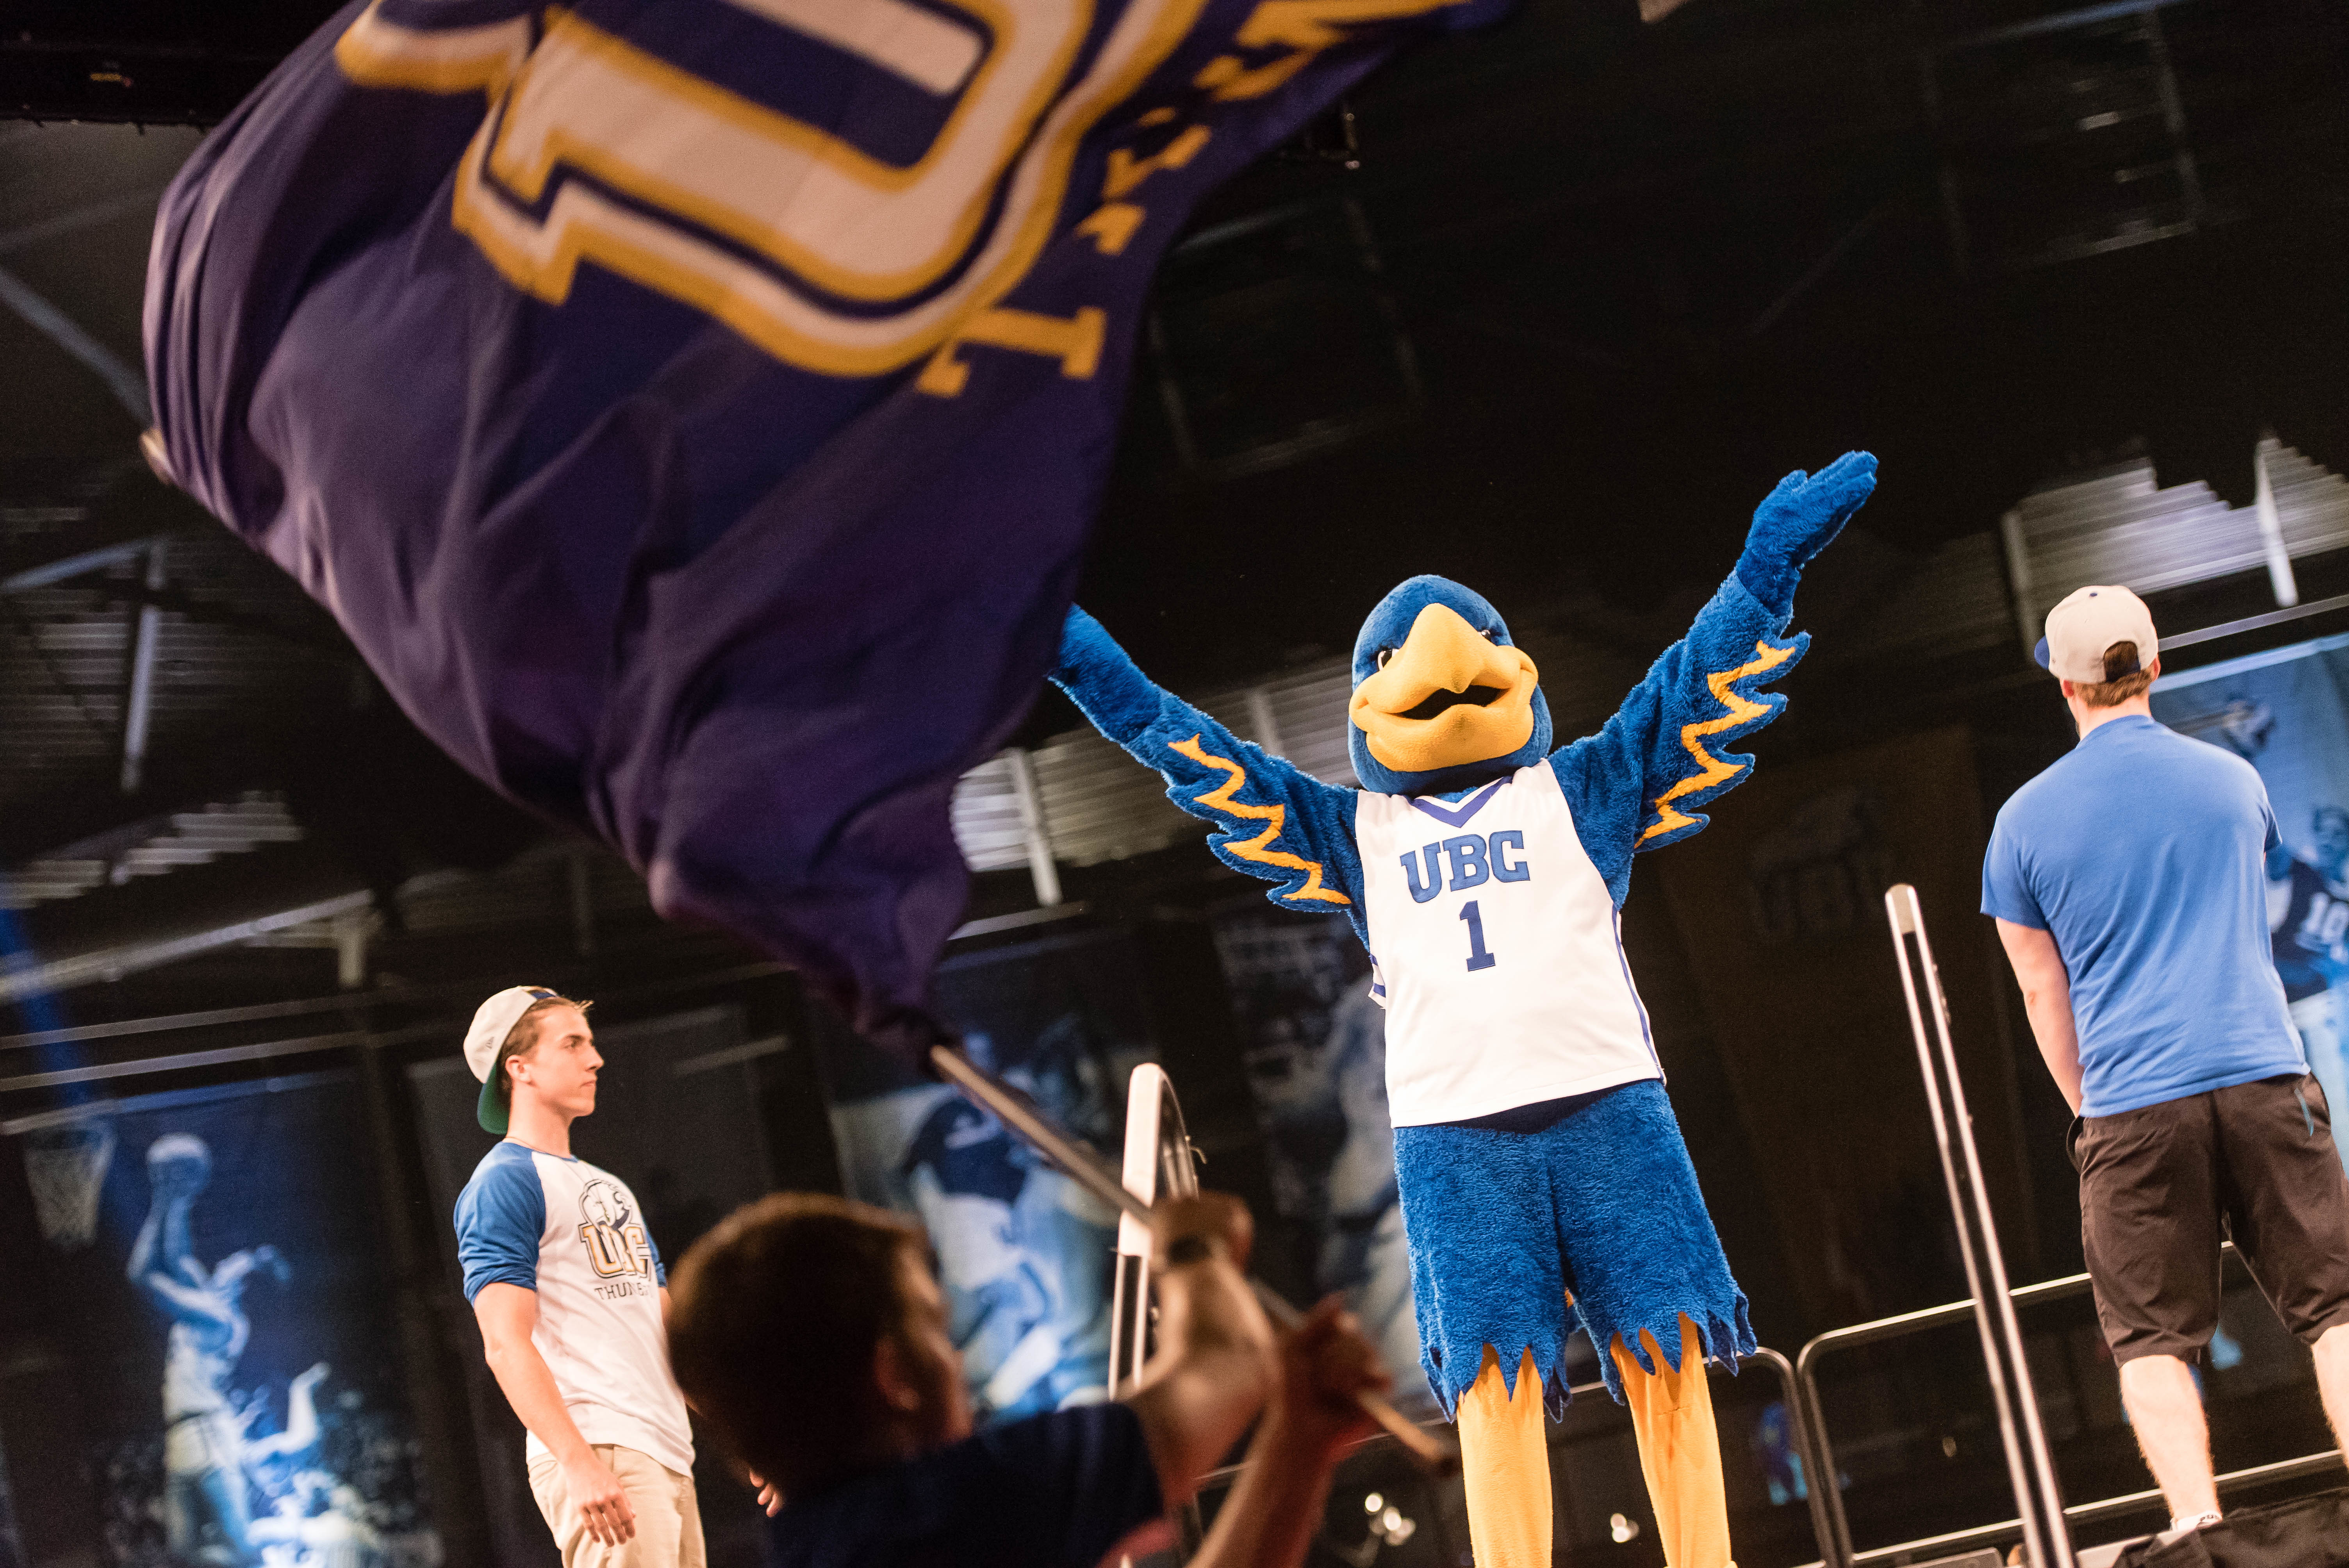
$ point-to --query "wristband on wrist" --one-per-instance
(1184, 1250)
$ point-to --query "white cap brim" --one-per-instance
(493, 1022)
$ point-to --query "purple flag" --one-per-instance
(694, 410)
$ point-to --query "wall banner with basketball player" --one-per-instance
(1023, 1252)
(2287, 712)
(205, 1330)
(1316, 1056)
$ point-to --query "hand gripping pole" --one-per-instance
(2039, 1501)
(1432, 1451)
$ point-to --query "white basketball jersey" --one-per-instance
(1496, 950)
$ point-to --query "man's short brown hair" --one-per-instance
(522, 1038)
(773, 1320)
(2122, 680)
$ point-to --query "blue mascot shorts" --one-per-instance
(1593, 1195)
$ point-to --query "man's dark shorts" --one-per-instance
(2157, 1185)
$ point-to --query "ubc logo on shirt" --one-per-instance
(614, 1240)
(1472, 860)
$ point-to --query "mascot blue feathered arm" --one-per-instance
(1274, 821)
(1640, 782)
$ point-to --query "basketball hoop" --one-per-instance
(67, 1167)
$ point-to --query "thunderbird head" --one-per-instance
(1443, 698)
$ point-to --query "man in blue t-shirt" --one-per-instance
(2129, 885)
(810, 1333)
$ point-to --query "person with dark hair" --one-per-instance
(810, 1334)
(2129, 885)
(568, 1289)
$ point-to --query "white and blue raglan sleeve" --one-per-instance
(501, 1216)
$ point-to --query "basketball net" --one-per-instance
(67, 1167)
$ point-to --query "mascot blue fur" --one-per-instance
(1543, 1176)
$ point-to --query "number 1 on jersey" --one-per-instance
(1478, 957)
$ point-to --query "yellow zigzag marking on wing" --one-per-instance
(1272, 816)
(1711, 770)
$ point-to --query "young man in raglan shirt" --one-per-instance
(572, 1298)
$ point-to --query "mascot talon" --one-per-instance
(1544, 1184)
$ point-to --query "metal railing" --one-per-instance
(2043, 1522)
(1807, 1420)
(1833, 1524)
(1789, 1382)
(1158, 1161)
(2031, 1469)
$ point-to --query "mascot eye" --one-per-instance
(1385, 654)
(1493, 637)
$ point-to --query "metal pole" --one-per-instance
(2285, 587)
(2018, 573)
(1801, 1437)
(1830, 1522)
(139, 686)
(2039, 1501)
(129, 386)
(1088, 1171)
(1033, 832)
(1157, 1160)
(1157, 1154)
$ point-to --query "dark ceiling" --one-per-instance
(1637, 273)
(1592, 289)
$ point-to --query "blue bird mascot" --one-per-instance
(1544, 1182)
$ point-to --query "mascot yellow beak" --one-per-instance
(1446, 697)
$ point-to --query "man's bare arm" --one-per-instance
(2047, 998)
(508, 1314)
(1275, 1508)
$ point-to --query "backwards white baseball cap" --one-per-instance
(493, 1022)
(2087, 622)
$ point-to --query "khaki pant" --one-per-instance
(669, 1517)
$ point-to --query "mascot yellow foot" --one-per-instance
(1504, 1459)
(1505, 1466)
(1679, 1451)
